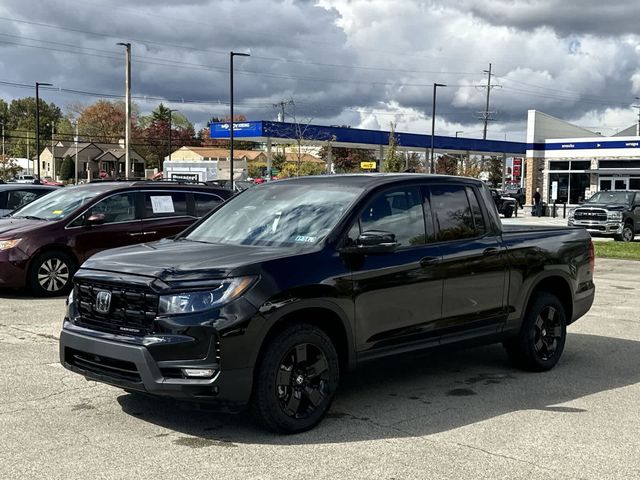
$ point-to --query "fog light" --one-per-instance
(198, 372)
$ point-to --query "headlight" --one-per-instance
(201, 300)
(616, 216)
(571, 213)
(7, 244)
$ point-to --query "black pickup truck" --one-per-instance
(271, 297)
(609, 213)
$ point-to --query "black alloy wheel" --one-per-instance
(296, 379)
(540, 343)
(51, 274)
(302, 380)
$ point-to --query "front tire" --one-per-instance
(540, 343)
(627, 234)
(508, 212)
(296, 379)
(51, 274)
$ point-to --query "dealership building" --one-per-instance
(572, 163)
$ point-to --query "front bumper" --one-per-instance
(13, 268)
(602, 228)
(130, 365)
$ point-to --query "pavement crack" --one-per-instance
(24, 330)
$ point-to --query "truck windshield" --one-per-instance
(277, 215)
(612, 198)
(56, 205)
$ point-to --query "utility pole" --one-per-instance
(127, 87)
(33, 166)
(486, 115)
(53, 152)
(171, 110)
(38, 124)
(281, 104)
(3, 141)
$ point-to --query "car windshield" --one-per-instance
(612, 197)
(277, 215)
(56, 205)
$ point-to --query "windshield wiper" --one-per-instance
(28, 217)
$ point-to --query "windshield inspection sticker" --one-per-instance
(162, 204)
(305, 239)
(57, 212)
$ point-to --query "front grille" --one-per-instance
(131, 310)
(591, 214)
(111, 367)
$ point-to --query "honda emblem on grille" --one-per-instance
(103, 301)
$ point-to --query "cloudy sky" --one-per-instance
(363, 63)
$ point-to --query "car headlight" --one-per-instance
(616, 216)
(572, 213)
(7, 244)
(201, 300)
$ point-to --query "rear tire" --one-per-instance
(51, 274)
(540, 343)
(296, 379)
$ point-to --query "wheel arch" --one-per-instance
(559, 287)
(53, 248)
(326, 318)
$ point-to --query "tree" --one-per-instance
(104, 121)
(8, 168)
(21, 125)
(393, 161)
(495, 171)
(447, 165)
(68, 169)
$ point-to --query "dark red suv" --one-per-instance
(44, 243)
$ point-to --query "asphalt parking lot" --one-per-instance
(460, 415)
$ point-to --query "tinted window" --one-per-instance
(116, 208)
(452, 211)
(478, 220)
(205, 203)
(18, 198)
(165, 204)
(399, 212)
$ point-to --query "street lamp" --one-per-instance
(171, 110)
(127, 88)
(433, 124)
(38, 123)
(231, 55)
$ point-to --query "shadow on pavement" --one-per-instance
(421, 395)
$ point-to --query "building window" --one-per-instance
(619, 164)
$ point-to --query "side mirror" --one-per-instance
(372, 242)
(95, 219)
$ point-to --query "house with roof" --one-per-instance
(95, 160)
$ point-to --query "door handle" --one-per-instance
(490, 251)
(135, 234)
(149, 233)
(426, 261)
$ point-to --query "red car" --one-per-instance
(43, 243)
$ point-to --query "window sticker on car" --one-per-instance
(305, 239)
(162, 204)
(57, 212)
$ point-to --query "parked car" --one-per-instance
(14, 196)
(280, 290)
(515, 192)
(51, 181)
(505, 205)
(43, 243)
(25, 179)
(609, 213)
(239, 185)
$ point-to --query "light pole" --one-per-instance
(53, 152)
(433, 124)
(75, 139)
(231, 55)
(638, 125)
(38, 123)
(127, 87)
(171, 110)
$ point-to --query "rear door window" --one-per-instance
(455, 216)
(165, 204)
(205, 202)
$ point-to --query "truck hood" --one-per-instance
(182, 260)
(614, 207)
(15, 227)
